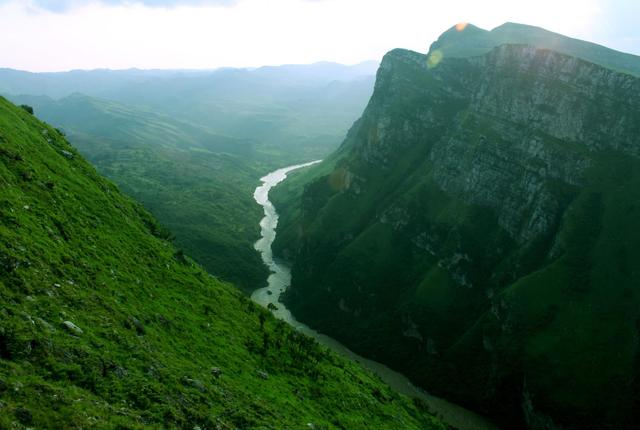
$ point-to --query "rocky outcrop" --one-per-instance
(525, 117)
(476, 217)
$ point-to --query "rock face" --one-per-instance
(477, 232)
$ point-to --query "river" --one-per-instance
(279, 281)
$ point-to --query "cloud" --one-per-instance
(61, 6)
(171, 34)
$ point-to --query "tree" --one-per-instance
(27, 108)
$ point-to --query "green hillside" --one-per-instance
(471, 41)
(104, 324)
(197, 183)
(477, 231)
(170, 156)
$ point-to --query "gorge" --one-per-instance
(475, 230)
(280, 279)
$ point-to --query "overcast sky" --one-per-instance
(53, 35)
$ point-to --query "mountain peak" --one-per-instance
(510, 24)
(467, 40)
(464, 26)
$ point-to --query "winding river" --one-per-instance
(280, 279)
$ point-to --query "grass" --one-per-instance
(162, 343)
(197, 183)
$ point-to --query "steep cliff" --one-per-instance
(477, 230)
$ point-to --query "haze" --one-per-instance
(62, 35)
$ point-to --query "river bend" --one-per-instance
(280, 279)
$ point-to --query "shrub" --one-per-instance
(27, 108)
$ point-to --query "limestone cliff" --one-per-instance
(477, 231)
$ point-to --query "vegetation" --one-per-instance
(104, 324)
(27, 108)
(170, 156)
(472, 41)
(198, 184)
(401, 247)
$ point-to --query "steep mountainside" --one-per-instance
(198, 184)
(103, 324)
(478, 230)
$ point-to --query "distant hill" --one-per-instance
(472, 41)
(290, 105)
(104, 324)
(102, 82)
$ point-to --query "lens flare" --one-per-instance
(461, 26)
(434, 59)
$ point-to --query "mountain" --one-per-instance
(197, 183)
(102, 82)
(290, 106)
(104, 324)
(477, 230)
(468, 40)
(62, 84)
(192, 145)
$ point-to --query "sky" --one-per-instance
(58, 35)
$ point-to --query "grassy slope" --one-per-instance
(198, 184)
(72, 248)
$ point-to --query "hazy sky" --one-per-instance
(52, 35)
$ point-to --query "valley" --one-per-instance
(105, 324)
(444, 238)
(280, 279)
(191, 146)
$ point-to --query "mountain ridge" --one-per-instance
(463, 233)
(470, 40)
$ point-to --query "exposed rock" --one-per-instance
(133, 322)
(46, 325)
(482, 176)
(72, 328)
(67, 154)
(411, 329)
(196, 383)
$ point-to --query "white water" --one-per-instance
(279, 281)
